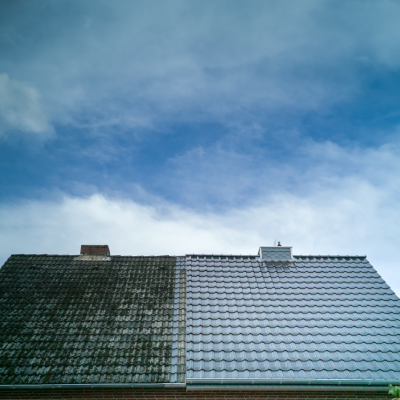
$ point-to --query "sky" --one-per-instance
(201, 127)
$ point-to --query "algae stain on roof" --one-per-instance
(66, 320)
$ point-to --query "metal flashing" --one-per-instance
(84, 257)
(178, 352)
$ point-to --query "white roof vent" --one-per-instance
(276, 253)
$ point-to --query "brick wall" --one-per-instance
(182, 394)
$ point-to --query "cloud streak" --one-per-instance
(245, 168)
(21, 109)
(145, 66)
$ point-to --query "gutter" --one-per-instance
(94, 385)
(292, 384)
(296, 388)
(229, 384)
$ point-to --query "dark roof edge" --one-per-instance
(291, 383)
(287, 387)
(198, 255)
(221, 255)
(76, 255)
(93, 385)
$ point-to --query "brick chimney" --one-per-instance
(95, 250)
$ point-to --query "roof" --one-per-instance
(315, 320)
(198, 320)
(65, 320)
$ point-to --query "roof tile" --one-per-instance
(316, 318)
(65, 320)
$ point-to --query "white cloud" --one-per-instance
(21, 109)
(351, 218)
(330, 212)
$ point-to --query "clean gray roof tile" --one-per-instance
(318, 317)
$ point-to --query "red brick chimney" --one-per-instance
(95, 250)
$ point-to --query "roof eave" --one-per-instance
(94, 385)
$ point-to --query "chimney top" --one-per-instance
(276, 253)
(95, 250)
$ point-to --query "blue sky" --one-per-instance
(203, 126)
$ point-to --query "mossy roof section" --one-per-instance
(67, 321)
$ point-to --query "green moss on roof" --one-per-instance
(69, 321)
